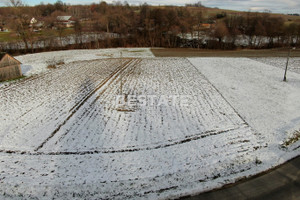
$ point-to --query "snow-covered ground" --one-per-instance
(62, 134)
(294, 62)
(37, 63)
(269, 105)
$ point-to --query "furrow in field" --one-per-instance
(99, 126)
(41, 106)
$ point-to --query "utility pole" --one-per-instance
(287, 63)
(121, 83)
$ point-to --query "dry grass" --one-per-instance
(60, 63)
(52, 64)
(293, 139)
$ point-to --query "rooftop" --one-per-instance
(2, 54)
(63, 18)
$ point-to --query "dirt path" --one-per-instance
(185, 52)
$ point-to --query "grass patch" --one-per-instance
(293, 139)
(46, 33)
(54, 33)
(15, 79)
(51, 64)
(60, 62)
(8, 37)
(257, 161)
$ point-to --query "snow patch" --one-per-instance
(37, 63)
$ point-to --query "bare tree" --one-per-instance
(199, 19)
(220, 31)
(78, 32)
(260, 32)
(14, 3)
(233, 24)
(21, 22)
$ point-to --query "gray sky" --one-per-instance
(281, 6)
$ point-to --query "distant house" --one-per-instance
(10, 68)
(36, 25)
(206, 25)
(33, 21)
(2, 28)
(67, 21)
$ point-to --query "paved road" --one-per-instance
(280, 183)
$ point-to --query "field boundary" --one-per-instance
(175, 142)
(247, 53)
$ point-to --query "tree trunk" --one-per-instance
(107, 27)
(26, 43)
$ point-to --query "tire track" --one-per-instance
(112, 81)
(108, 80)
(187, 139)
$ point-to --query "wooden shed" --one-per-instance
(10, 68)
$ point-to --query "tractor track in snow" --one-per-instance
(75, 108)
(129, 149)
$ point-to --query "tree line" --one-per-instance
(192, 25)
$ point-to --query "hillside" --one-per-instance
(39, 28)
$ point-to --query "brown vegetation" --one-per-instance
(184, 52)
(150, 26)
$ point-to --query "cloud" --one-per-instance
(257, 9)
(283, 6)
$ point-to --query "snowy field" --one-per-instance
(37, 63)
(294, 63)
(257, 92)
(64, 135)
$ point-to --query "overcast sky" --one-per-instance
(281, 6)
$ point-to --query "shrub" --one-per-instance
(51, 64)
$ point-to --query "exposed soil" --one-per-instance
(188, 52)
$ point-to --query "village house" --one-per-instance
(66, 21)
(206, 25)
(36, 25)
(10, 68)
(2, 28)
